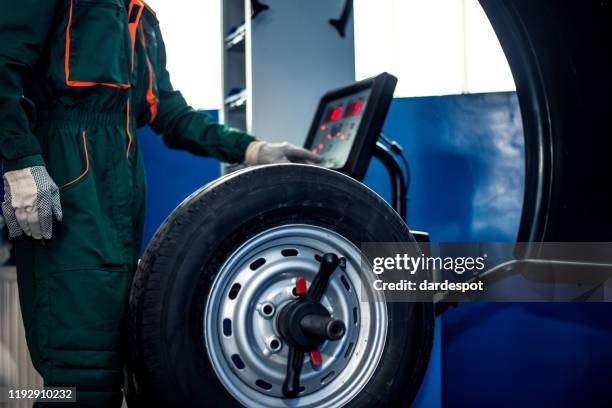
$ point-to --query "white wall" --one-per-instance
(192, 33)
(296, 56)
(486, 65)
(434, 47)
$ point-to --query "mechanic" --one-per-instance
(76, 79)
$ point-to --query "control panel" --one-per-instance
(338, 128)
(348, 122)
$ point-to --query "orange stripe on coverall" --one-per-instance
(151, 99)
(86, 170)
(72, 83)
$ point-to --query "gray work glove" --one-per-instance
(31, 199)
(259, 152)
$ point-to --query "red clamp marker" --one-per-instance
(315, 359)
(300, 286)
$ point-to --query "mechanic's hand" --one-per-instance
(31, 199)
(259, 152)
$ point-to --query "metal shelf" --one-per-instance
(234, 41)
(236, 100)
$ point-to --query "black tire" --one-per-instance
(170, 365)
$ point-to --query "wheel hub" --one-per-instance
(250, 320)
(306, 324)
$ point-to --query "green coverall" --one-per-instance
(77, 77)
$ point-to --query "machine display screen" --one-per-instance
(338, 127)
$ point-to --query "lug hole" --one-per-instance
(227, 327)
(263, 385)
(289, 252)
(267, 310)
(238, 362)
(328, 377)
(257, 263)
(234, 291)
(275, 344)
(345, 283)
(349, 350)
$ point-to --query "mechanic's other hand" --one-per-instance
(259, 152)
(31, 199)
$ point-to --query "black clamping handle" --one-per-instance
(329, 263)
(324, 328)
(291, 386)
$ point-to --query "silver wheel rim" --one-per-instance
(249, 355)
